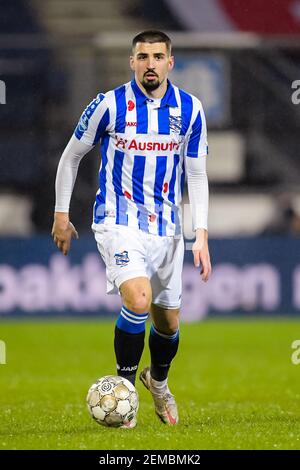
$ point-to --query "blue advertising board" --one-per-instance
(250, 276)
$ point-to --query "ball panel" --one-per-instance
(108, 403)
(114, 419)
(123, 407)
(129, 385)
(134, 400)
(121, 391)
(93, 398)
(98, 413)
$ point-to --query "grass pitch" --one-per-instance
(234, 381)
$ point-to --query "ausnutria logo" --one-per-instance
(149, 146)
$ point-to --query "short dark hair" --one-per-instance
(152, 36)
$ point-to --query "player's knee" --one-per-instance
(168, 328)
(139, 303)
(173, 329)
(136, 296)
(167, 325)
(165, 320)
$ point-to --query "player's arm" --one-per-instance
(198, 195)
(197, 182)
(63, 230)
(91, 127)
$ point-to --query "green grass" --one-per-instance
(234, 382)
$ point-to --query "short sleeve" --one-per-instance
(93, 121)
(196, 144)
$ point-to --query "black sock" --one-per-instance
(128, 349)
(163, 349)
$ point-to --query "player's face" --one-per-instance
(151, 64)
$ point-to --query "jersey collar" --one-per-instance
(168, 99)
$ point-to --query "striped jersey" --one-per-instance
(144, 143)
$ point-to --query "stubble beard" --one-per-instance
(151, 86)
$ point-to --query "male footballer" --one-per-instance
(151, 134)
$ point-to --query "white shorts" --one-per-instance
(129, 253)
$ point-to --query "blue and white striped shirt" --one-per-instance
(144, 144)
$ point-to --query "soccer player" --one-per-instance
(151, 134)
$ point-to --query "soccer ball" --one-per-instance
(112, 401)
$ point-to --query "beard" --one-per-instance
(152, 85)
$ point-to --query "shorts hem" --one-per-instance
(129, 275)
(166, 305)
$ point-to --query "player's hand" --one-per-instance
(63, 231)
(201, 254)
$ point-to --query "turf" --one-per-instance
(234, 381)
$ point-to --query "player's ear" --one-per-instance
(171, 63)
(131, 62)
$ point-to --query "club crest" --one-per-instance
(175, 123)
(122, 259)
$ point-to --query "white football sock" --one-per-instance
(159, 387)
